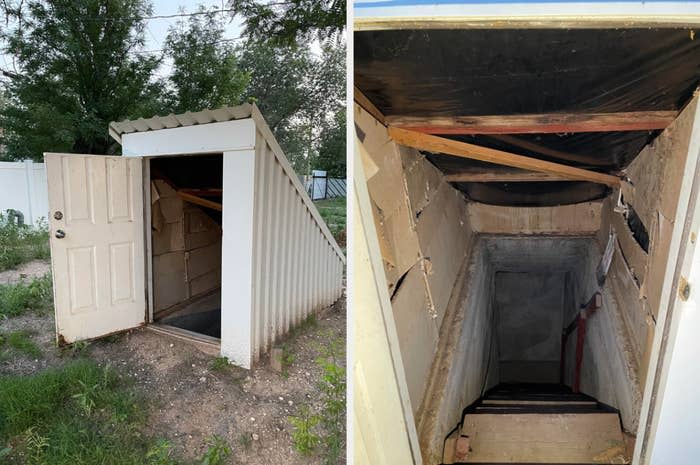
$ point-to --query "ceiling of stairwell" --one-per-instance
(431, 73)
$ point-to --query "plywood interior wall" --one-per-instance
(424, 236)
(186, 247)
(653, 191)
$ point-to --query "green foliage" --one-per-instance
(20, 244)
(296, 92)
(287, 22)
(161, 454)
(334, 213)
(21, 341)
(219, 364)
(77, 71)
(205, 70)
(326, 428)
(76, 349)
(304, 435)
(332, 149)
(217, 452)
(78, 414)
(287, 360)
(21, 297)
(333, 392)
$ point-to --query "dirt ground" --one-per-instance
(28, 271)
(189, 402)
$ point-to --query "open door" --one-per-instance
(97, 244)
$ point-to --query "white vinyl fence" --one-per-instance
(23, 188)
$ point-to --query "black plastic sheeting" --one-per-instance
(522, 71)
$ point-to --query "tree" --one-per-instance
(79, 68)
(296, 91)
(292, 21)
(205, 70)
(331, 152)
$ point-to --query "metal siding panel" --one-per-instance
(296, 268)
(282, 309)
(269, 234)
(276, 255)
(260, 169)
(306, 306)
(288, 201)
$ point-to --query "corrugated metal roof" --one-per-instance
(117, 128)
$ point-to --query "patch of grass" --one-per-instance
(219, 364)
(161, 454)
(21, 341)
(79, 414)
(36, 295)
(334, 213)
(20, 244)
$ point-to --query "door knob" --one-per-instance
(60, 234)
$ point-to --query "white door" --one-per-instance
(97, 244)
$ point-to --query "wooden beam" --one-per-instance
(436, 144)
(536, 123)
(540, 149)
(369, 107)
(199, 200)
(481, 175)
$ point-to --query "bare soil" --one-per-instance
(27, 271)
(187, 401)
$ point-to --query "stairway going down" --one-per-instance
(537, 424)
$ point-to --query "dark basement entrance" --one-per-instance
(186, 199)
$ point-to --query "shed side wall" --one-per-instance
(296, 270)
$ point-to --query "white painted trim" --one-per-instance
(291, 174)
(238, 223)
(148, 233)
(191, 140)
(524, 14)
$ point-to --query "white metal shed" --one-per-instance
(201, 228)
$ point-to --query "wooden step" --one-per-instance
(546, 438)
(536, 402)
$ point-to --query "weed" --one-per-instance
(86, 397)
(22, 243)
(333, 393)
(304, 434)
(287, 360)
(217, 451)
(161, 454)
(75, 349)
(21, 297)
(36, 444)
(219, 364)
(327, 428)
(21, 341)
(245, 440)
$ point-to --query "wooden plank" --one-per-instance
(436, 144)
(369, 107)
(544, 438)
(502, 176)
(209, 192)
(199, 200)
(536, 123)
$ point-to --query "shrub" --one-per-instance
(22, 243)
